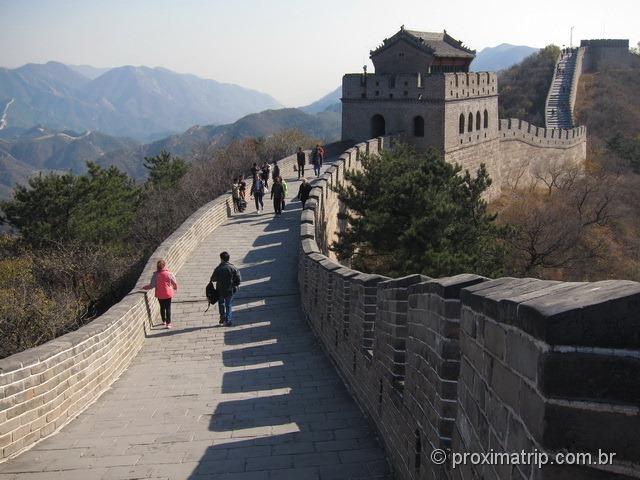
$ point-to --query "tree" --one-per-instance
(108, 201)
(283, 144)
(626, 148)
(165, 170)
(563, 230)
(42, 211)
(416, 213)
(59, 208)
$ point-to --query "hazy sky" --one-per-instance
(296, 51)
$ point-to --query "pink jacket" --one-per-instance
(164, 282)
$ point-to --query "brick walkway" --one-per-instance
(258, 400)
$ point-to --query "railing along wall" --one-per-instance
(467, 364)
(43, 388)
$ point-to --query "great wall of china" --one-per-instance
(461, 364)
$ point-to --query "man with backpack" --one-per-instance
(227, 278)
(258, 192)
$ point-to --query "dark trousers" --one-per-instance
(224, 307)
(258, 198)
(165, 309)
(316, 168)
(277, 204)
(300, 171)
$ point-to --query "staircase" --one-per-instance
(561, 97)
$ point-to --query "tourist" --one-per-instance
(276, 171)
(277, 195)
(242, 186)
(255, 170)
(257, 190)
(165, 286)
(235, 194)
(303, 191)
(227, 280)
(285, 188)
(301, 158)
(316, 159)
(266, 169)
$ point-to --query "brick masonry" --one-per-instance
(465, 362)
(470, 364)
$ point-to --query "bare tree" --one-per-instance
(562, 227)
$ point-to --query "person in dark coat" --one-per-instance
(301, 158)
(303, 192)
(227, 278)
(264, 175)
(316, 159)
(275, 173)
(255, 170)
(277, 195)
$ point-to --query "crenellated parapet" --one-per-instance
(520, 130)
(418, 86)
(472, 365)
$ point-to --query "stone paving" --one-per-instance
(258, 400)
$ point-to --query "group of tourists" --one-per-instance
(239, 193)
(316, 158)
(261, 175)
(227, 281)
(226, 276)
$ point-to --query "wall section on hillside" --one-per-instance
(467, 364)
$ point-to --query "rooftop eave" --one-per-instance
(421, 45)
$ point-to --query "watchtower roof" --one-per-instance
(438, 44)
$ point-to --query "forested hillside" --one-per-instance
(523, 87)
(579, 224)
(609, 105)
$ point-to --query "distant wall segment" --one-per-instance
(470, 364)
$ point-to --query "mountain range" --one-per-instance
(323, 125)
(493, 59)
(138, 102)
(124, 114)
(24, 152)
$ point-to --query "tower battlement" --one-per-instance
(418, 86)
(422, 91)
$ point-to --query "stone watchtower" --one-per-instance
(422, 88)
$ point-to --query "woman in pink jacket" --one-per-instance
(165, 284)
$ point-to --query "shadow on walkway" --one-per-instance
(296, 419)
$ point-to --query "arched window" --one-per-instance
(418, 126)
(378, 127)
(486, 119)
(470, 125)
(461, 128)
(478, 121)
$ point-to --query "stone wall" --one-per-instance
(604, 54)
(43, 388)
(514, 151)
(472, 364)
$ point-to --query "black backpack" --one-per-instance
(212, 295)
